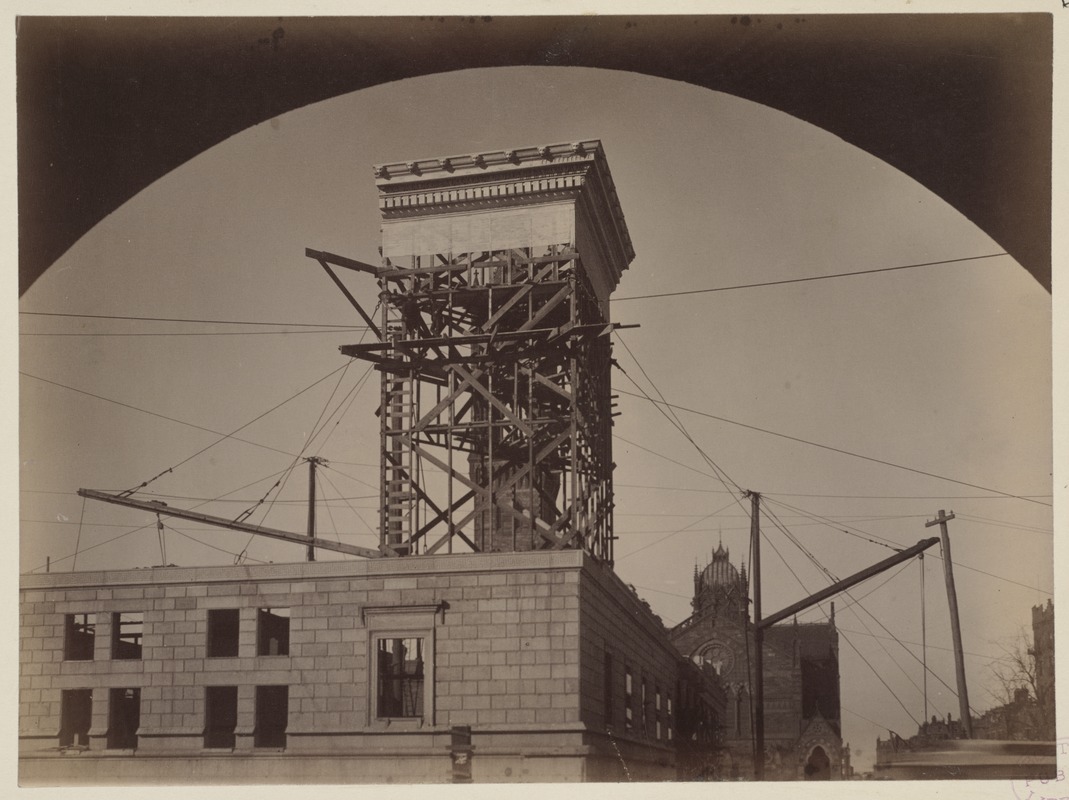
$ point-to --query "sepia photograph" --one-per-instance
(567, 398)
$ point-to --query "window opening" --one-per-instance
(124, 718)
(657, 709)
(642, 709)
(400, 677)
(607, 696)
(668, 702)
(272, 714)
(127, 629)
(76, 716)
(273, 632)
(220, 715)
(629, 701)
(79, 637)
(223, 624)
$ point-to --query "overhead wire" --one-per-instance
(151, 334)
(861, 716)
(880, 678)
(912, 655)
(841, 451)
(878, 586)
(846, 639)
(843, 527)
(985, 656)
(1004, 524)
(856, 602)
(211, 546)
(674, 533)
(865, 537)
(239, 500)
(117, 525)
(351, 397)
(358, 515)
(78, 542)
(353, 478)
(674, 420)
(281, 482)
(148, 525)
(839, 526)
(627, 441)
(224, 437)
(195, 321)
(163, 416)
(678, 424)
(837, 496)
(809, 278)
(330, 515)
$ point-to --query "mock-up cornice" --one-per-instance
(503, 178)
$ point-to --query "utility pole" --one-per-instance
(758, 638)
(312, 462)
(760, 623)
(924, 641)
(955, 625)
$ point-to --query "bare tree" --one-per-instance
(1026, 705)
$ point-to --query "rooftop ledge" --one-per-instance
(441, 184)
(457, 563)
(490, 161)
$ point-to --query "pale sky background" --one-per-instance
(943, 369)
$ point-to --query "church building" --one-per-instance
(803, 734)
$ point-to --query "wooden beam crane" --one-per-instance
(163, 509)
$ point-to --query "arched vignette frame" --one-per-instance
(959, 102)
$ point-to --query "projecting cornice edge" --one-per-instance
(499, 178)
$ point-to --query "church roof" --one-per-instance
(816, 640)
(720, 572)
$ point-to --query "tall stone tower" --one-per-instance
(494, 348)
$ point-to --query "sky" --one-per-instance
(941, 372)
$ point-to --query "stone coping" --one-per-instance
(457, 563)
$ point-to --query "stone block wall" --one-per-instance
(620, 630)
(514, 644)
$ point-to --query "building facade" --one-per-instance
(803, 739)
(354, 671)
(1042, 653)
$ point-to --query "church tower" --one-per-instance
(721, 589)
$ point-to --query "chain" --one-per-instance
(627, 772)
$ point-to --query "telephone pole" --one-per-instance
(312, 462)
(955, 625)
(924, 640)
(758, 638)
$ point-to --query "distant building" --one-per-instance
(1029, 715)
(1013, 740)
(803, 735)
(1043, 655)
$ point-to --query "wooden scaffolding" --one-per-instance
(494, 348)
